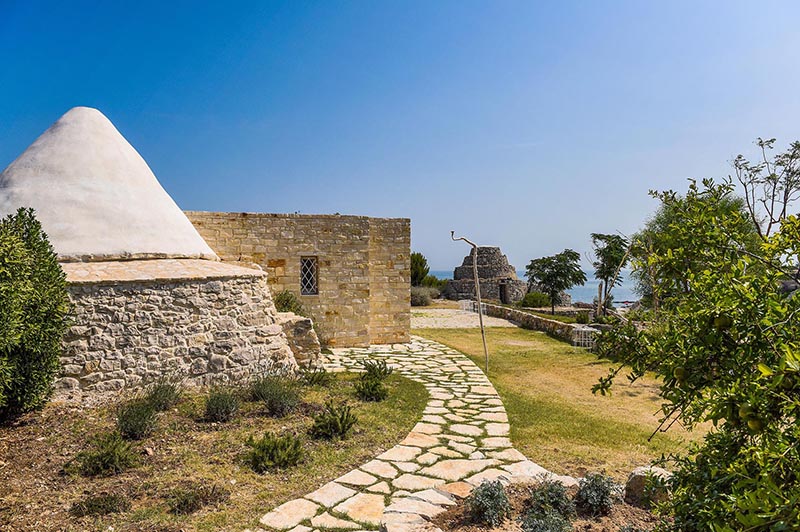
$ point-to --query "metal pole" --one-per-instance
(477, 294)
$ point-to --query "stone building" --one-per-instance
(150, 298)
(351, 273)
(498, 279)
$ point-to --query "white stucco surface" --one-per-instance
(96, 197)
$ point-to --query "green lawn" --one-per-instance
(555, 419)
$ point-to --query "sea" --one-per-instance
(585, 293)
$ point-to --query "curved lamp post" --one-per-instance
(477, 293)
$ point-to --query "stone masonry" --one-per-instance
(363, 267)
(497, 277)
(199, 321)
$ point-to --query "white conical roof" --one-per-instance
(95, 196)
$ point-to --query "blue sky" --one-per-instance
(521, 124)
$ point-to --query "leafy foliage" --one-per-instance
(370, 388)
(110, 454)
(274, 452)
(163, 394)
(595, 495)
(189, 499)
(287, 301)
(422, 296)
(550, 496)
(535, 300)
(103, 504)
(724, 342)
(376, 369)
(611, 255)
(33, 314)
(555, 274)
(334, 422)
(136, 419)
(221, 405)
(318, 376)
(434, 282)
(278, 393)
(419, 268)
(488, 504)
(546, 522)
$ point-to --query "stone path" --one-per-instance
(461, 440)
(451, 318)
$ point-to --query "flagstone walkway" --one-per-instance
(461, 440)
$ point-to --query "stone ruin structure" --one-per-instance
(498, 279)
(150, 297)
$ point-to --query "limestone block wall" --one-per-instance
(568, 332)
(126, 333)
(364, 267)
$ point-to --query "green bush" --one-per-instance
(435, 282)
(420, 296)
(103, 504)
(136, 419)
(535, 300)
(110, 454)
(550, 521)
(550, 496)
(279, 394)
(488, 504)
(286, 301)
(274, 452)
(595, 495)
(582, 317)
(376, 369)
(221, 405)
(189, 499)
(369, 388)
(333, 423)
(163, 394)
(34, 309)
(318, 376)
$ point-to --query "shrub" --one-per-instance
(221, 405)
(420, 296)
(136, 419)
(33, 314)
(376, 369)
(551, 495)
(318, 376)
(272, 452)
(110, 454)
(334, 422)
(286, 301)
(189, 499)
(163, 394)
(595, 495)
(370, 388)
(435, 282)
(488, 504)
(631, 528)
(547, 522)
(278, 394)
(582, 317)
(103, 504)
(535, 300)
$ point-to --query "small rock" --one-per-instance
(637, 483)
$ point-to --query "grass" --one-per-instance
(186, 449)
(555, 419)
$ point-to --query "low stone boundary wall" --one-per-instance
(578, 335)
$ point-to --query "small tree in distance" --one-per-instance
(556, 273)
(611, 254)
(419, 268)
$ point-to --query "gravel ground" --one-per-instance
(445, 318)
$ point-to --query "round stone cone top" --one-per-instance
(95, 196)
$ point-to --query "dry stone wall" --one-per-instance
(125, 334)
(364, 267)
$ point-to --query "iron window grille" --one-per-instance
(308, 276)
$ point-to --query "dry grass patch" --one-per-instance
(555, 419)
(184, 454)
